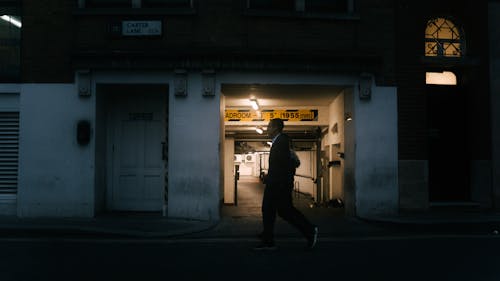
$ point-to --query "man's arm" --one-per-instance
(279, 161)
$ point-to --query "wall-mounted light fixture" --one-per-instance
(348, 116)
(83, 83)
(254, 104)
(208, 77)
(180, 82)
(365, 86)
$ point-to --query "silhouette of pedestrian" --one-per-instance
(278, 192)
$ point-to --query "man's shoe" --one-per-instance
(313, 239)
(265, 246)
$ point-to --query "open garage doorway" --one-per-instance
(314, 119)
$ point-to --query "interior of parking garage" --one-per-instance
(314, 119)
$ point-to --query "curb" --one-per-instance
(56, 229)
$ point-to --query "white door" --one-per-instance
(138, 164)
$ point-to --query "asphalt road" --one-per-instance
(431, 257)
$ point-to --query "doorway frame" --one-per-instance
(104, 159)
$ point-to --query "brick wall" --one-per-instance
(55, 31)
(47, 37)
(392, 31)
(411, 67)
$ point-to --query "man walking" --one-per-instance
(278, 193)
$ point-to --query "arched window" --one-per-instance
(443, 39)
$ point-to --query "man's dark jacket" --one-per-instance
(280, 168)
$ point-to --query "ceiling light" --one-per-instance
(254, 104)
(348, 116)
(11, 20)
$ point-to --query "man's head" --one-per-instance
(275, 127)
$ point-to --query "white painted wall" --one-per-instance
(229, 171)
(350, 155)
(194, 151)
(250, 168)
(305, 172)
(223, 153)
(376, 150)
(246, 169)
(335, 140)
(195, 182)
(56, 176)
(101, 152)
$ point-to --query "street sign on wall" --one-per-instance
(142, 28)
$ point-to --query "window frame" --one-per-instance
(441, 53)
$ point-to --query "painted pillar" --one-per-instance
(229, 171)
(194, 156)
(376, 152)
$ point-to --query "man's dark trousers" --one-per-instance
(278, 200)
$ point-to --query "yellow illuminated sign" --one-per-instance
(268, 114)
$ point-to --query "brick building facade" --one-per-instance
(77, 56)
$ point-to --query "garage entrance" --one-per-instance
(314, 119)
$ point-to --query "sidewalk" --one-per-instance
(333, 223)
(114, 225)
(239, 222)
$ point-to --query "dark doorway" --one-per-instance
(448, 157)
